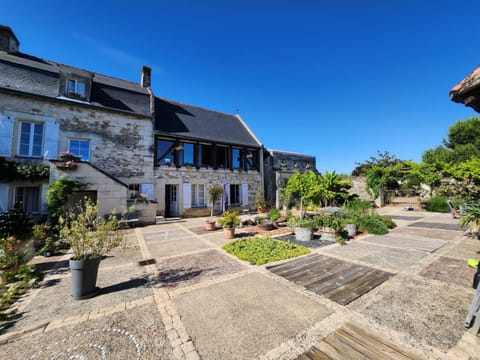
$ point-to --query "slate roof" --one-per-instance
(29, 74)
(186, 121)
(467, 91)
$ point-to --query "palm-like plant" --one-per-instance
(470, 217)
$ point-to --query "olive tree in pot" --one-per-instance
(214, 193)
(302, 227)
(90, 237)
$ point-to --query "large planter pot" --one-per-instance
(266, 226)
(210, 225)
(351, 229)
(303, 233)
(84, 278)
(229, 233)
(327, 233)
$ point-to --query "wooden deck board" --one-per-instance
(335, 279)
(353, 342)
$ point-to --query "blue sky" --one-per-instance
(335, 79)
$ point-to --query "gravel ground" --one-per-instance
(454, 271)
(316, 243)
(134, 334)
(421, 310)
(184, 271)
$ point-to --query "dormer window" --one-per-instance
(75, 88)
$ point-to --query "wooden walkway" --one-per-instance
(352, 342)
(338, 280)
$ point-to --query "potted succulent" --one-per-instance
(90, 237)
(303, 227)
(229, 221)
(214, 193)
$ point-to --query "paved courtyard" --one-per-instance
(404, 295)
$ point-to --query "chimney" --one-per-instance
(8, 40)
(146, 76)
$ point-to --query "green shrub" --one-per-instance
(274, 214)
(438, 204)
(389, 223)
(358, 205)
(261, 250)
(373, 225)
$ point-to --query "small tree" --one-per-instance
(57, 196)
(214, 193)
(304, 185)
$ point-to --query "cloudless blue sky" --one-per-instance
(335, 79)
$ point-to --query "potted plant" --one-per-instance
(331, 225)
(470, 216)
(302, 227)
(214, 193)
(260, 202)
(90, 238)
(229, 221)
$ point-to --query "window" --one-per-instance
(31, 139)
(80, 148)
(186, 155)
(205, 158)
(198, 195)
(75, 88)
(251, 159)
(28, 198)
(236, 159)
(165, 152)
(235, 194)
(222, 157)
(133, 190)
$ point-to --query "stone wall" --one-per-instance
(174, 176)
(120, 144)
(359, 187)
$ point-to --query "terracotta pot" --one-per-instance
(210, 225)
(229, 233)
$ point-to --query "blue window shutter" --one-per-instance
(6, 135)
(51, 140)
(244, 194)
(187, 195)
(3, 197)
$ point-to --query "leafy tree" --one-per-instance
(333, 188)
(383, 159)
(304, 185)
(58, 194)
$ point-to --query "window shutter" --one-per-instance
(51, 140)
(228, 193)
(187, 195)
(6, 135)
(147, 189)
(244, 194)
(3, 197)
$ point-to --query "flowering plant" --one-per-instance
(64, 155)
(11, 256)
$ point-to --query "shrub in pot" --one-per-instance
(331, 225)
(229, 221)
(90, 237)
(470, 216)
(303, 227)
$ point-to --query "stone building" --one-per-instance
(279, 167)
(131, 144)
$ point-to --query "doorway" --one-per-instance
(171, 202)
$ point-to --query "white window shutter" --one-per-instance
(187, 195)
(147, 189)
(244, 194)
(3, 197)
(6, 135)
(50, 150)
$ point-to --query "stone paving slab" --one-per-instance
(454, 271)
(164, 235)
(188, 270)
(429, 245)
(397, 259)
(121, 257)
(439, 225)
(421, 310)
(467, 248)
(162, 247)
(124, 335)
(425, 232)
(245, 317)
(404, 217)
(53, 300)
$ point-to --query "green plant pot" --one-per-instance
(303, 233)
(84, 278)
